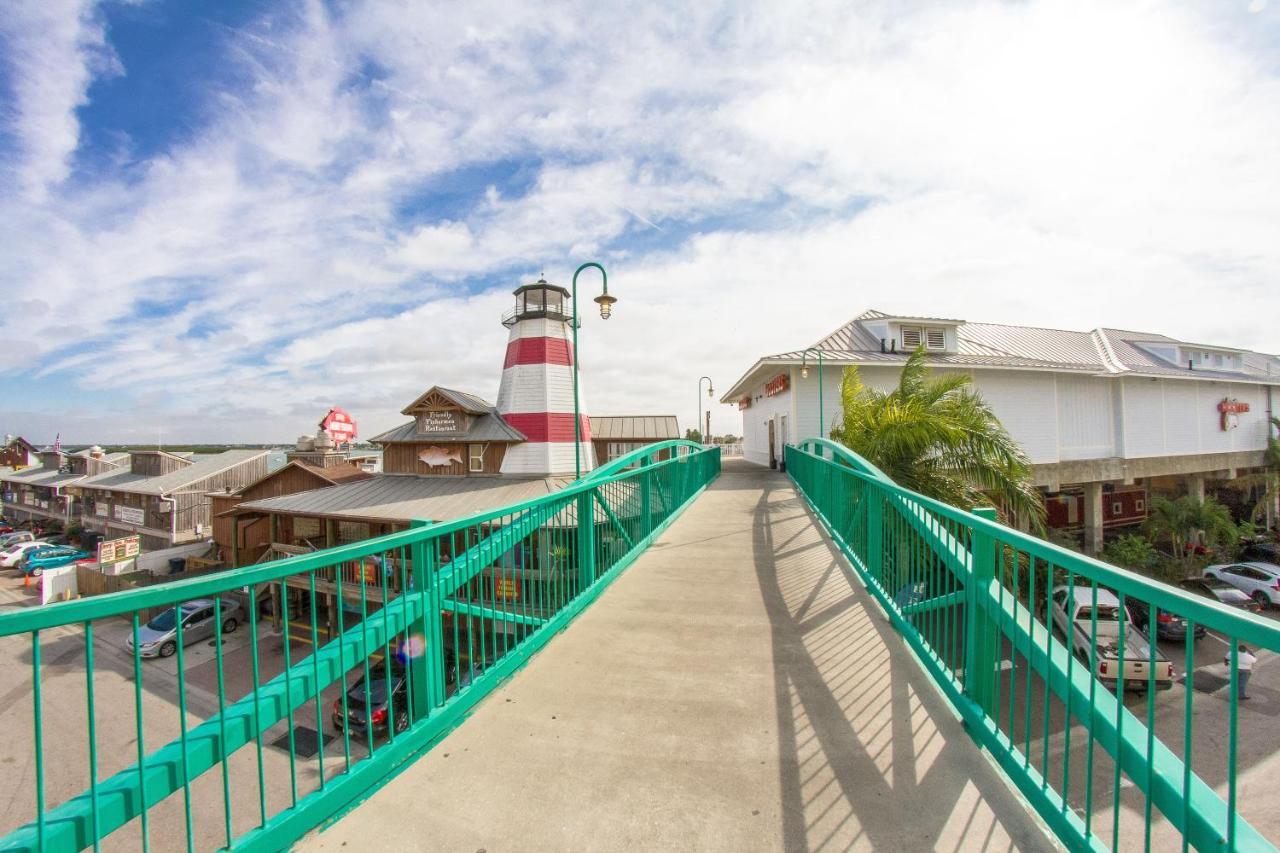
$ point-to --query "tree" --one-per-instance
(1269, 479)
(693, 435)
(1132, 552)
(936, 436)
(1185, 521)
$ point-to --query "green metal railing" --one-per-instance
(975, 601)
(426, 622)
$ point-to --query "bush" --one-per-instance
(1132, 552)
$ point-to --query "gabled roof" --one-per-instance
(1102, 352)
(403, 498)
(17, 439)
(467, 402)
(163, 484)
(334, 474)
(487, 427)
(629, 427)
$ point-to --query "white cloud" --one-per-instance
(1069, 164)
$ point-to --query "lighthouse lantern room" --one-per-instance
(536, 392)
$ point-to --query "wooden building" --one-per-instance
(18, 453)
(46, 493)
(616, 436)
(164, 496)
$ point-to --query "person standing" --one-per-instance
(1244, 666)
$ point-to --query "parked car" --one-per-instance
(1262, 552)
(35, 561)
(1260, 581)
(1169, 626)
(372, 709)
(1073, 613)
(159, 637)
(1221, 592)
(13, 554)
(16, 536)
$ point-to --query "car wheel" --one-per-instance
(229, 626)
(167, 650)
(1264, 601)
(402, 721)
(35, 573)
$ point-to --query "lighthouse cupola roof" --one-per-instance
(539, 300)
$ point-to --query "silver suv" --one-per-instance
(159, 637)
(1261, 581)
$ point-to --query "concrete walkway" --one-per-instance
(735, 689)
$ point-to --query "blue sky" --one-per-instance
(223, 218)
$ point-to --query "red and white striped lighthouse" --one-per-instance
(536, 393)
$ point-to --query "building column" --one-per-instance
(1195, 486)
(1093, 518)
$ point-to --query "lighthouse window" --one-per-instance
(554, 302)
(476, 455)
(533, 300)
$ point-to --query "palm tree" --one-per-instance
(1268, 479)
(1184, 519)
(936, 436)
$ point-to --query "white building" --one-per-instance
(1097, 412)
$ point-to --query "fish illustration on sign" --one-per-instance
(437, 456)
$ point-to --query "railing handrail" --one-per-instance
(1212, 614)
(126, 601)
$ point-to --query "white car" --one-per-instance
(11, 556)
(1098, 637)
(1261, 581)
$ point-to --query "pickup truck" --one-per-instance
(1072, 612)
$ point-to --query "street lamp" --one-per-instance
(710, 392)
(605, 301)
(804, 374)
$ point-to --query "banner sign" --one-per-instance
(777, 385)
(340, 426)
(118, 550)
(130, 515)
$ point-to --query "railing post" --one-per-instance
(874, 558)
(982, 646)
(426, 670)
(646, 496)
(586, 540)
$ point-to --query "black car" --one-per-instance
(1169, 626)
(375, 710)
(1221, 592)
(1262, 552)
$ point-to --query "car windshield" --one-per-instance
(1106, 613)
(377, 688)
(165, 621)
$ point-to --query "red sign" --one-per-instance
(340, 426)
(744, 403)
(1231, 409)
(777, 385)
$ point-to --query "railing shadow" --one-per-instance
(871, 755)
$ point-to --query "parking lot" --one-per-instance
(65, 725)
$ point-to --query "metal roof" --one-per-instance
(406, 497)
(629, 427)
(487, 427)
(1102, 351)
(461, 399)
(163, 484)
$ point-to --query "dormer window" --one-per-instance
(933, 338)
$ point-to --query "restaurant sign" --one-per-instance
(744, 403)
(777, 385)
(444, 420)
(1230, 409)
(119, 550)
(130, 515)
(340, 426)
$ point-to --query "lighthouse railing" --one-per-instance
(248, 739)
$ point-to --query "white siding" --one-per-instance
(1086, 429)
(755, 429)
(1144, 419)
(540, 388)
(1026, 404)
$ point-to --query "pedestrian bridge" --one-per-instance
(665, 655)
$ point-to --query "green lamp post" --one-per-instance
(804, 374)
(605, 301)
(710, 392)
